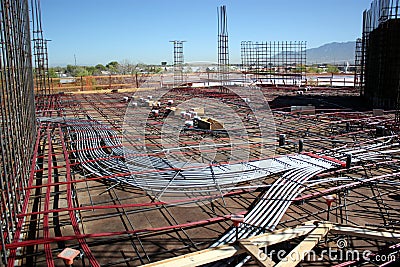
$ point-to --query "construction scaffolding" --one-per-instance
(274, 63)
(381, 51)
(18, 123)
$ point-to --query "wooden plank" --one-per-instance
(200, 257)
(314, 230)
(254, 245)
(254, 251)
(300, 251)
(251, 245)
(282, 235)
(366, 232)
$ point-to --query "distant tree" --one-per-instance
(140, 67)
(126, 67)
(80, 71)
(52, 73)
(59, 69)
(158, 70)
(313, 70)
(299, 69)
(332, 69)
(91, 70)
(71, 69)
(100, 67)
(113, 66)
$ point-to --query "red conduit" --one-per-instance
(107, 234)
(341, 163)
(135, 205)
(75, 226)
(46, 234)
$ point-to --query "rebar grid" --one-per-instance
(125, 225)
(381, 53)
(76, 196)
(275, 63)
(223, 49)
(42, 78)
(179, 78)
(359, 64)
(17, 115)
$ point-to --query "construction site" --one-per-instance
(255, 166)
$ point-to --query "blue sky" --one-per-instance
(100, 31)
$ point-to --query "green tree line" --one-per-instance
(113, 68)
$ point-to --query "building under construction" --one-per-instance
(189, 174)
(381, 53)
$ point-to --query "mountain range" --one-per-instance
(332, 53)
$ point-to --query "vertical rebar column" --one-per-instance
(17, 114)
(223, 52)
(303, 59)
(42, 79)
(358, 75)
(364, 49)
(178, 63)
(246, 56)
